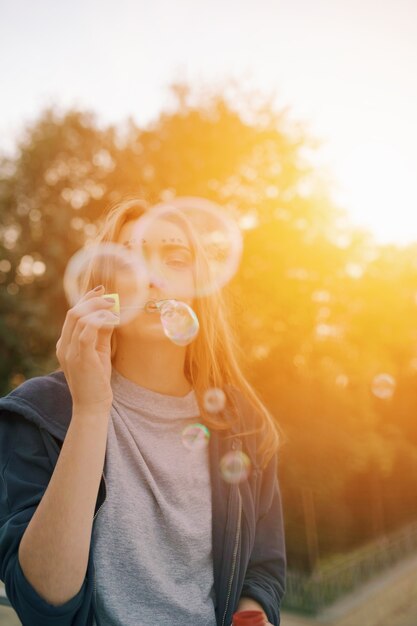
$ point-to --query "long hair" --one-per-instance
(211, 360)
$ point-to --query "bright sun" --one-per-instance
(378, 188)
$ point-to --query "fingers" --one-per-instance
(86, 332)
(99, 289)
(88, 303)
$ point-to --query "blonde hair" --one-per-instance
(211, 359)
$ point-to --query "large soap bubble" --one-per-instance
(190, 246)
(112, 265)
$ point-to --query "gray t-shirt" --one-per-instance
(151, 540)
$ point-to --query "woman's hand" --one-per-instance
(248, 604)
(84, 352)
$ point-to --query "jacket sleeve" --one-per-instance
(25, 471)
(266, 572)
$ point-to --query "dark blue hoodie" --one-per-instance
(248, 531)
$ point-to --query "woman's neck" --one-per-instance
(159, 369)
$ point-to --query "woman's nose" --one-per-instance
(155, 279)
(153, 271)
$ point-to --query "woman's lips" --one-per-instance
(151, 306)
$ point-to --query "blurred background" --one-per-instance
(300, 118)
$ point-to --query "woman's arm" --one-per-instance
(54, 549)
(44, 537)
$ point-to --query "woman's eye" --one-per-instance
(179, 262)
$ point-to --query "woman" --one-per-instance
(106, 517)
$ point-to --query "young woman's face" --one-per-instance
(169, 264)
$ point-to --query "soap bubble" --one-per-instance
(195, 436)
(342, 380)
(201, 246)
(383, 386)
(235, 466)
(214, 400)
(111, 265)
(179, 322)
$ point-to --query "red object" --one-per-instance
(248, 618)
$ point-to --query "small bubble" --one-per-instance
(342, 380)
(195, 436)
(214, 400)
(235, 466)
(383, 386)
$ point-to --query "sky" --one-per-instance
(348, 69)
